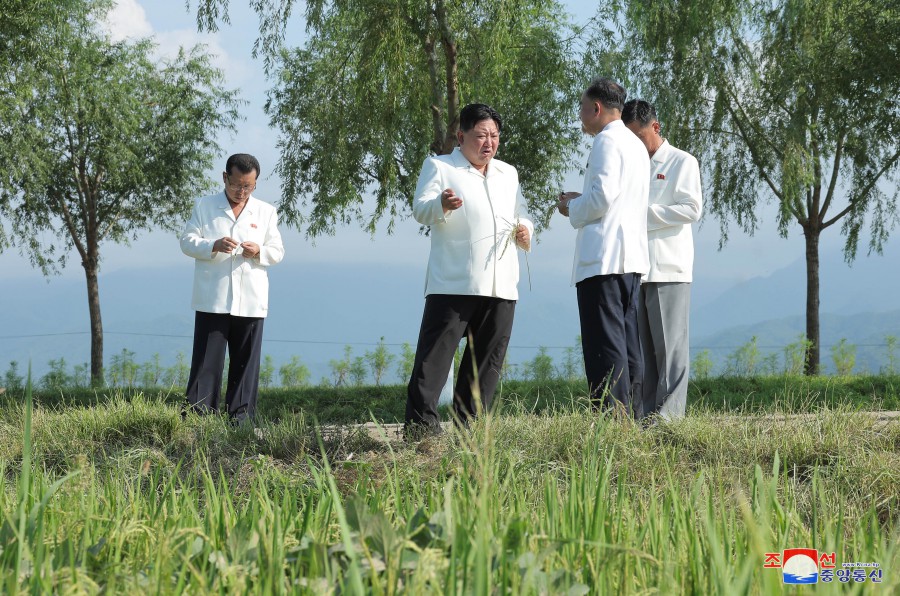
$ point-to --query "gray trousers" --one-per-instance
(663, 321)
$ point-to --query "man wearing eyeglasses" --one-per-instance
(676, 202)
(233, 238)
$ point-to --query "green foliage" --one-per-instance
(23, 21)
(58, 377)
(509, 370)
(90, 177)
(521, 504)
(701, 366)
(743, 362)
(294, 373)
(793, 102)
(572, 366)
(844, 357)
(177, 374)
(379, 360)
(223, 386)
(266, 372)
(540, 369)
(795, 355)
(81, 375)
(152, 372)
(458, 356)
(123, 370)
(405, 362)
(891, 367)
(339, 405)
(92, 134)
(340, 369)
(12, 380)
(358, 371)
(380, 84)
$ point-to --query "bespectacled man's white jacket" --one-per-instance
(675, 203)
(473, 249)
(230, 283)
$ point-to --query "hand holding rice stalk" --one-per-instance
(510, 236)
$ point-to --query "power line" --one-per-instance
(265, 339)
(393, 344)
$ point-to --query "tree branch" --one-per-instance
(452, 77)
(888, 164)
(753, 153)
(816, 194)
(838, 154)
(438, 127)
(80, 182)
(743, 114)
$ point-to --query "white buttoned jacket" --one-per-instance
(230, 283)
(611, 213)
(675, 203)
(473, 249)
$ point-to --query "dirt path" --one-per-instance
(394, 432)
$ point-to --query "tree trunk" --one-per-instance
(93, 292)
(813, 349)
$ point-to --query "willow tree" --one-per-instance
(792, 101)
(378, 86)
(99, 141)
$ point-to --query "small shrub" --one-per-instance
(294, 373)
(795, 355)
(379, 360)
(13, 381)
(266, 372)
(744, 361)
(702, 365)
(844, 357)
(891, 367)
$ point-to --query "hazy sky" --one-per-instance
(172, 25)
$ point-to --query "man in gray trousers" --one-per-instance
(675, 203)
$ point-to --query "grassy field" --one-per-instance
(123, 495)
(386, 403)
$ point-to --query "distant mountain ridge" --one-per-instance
(318, 308)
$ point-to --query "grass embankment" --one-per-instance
(128, 497)
(340, 405)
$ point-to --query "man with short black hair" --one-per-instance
(478, 217)
(233, 238)
(610, 215)
(665, 302)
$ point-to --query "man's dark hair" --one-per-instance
(243, 162)
(607, 92)
(638, 110)
(474, 113)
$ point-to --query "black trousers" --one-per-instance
(243, 337)
(487, 323)
(613, 363)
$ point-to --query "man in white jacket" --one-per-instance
(233, 238)
(610, 215)
(478, 217)
(665, 305)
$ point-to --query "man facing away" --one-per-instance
(478, 216)
(610, 215)
(665, 301)
(233, 238)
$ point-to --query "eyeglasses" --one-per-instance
(241, 189)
